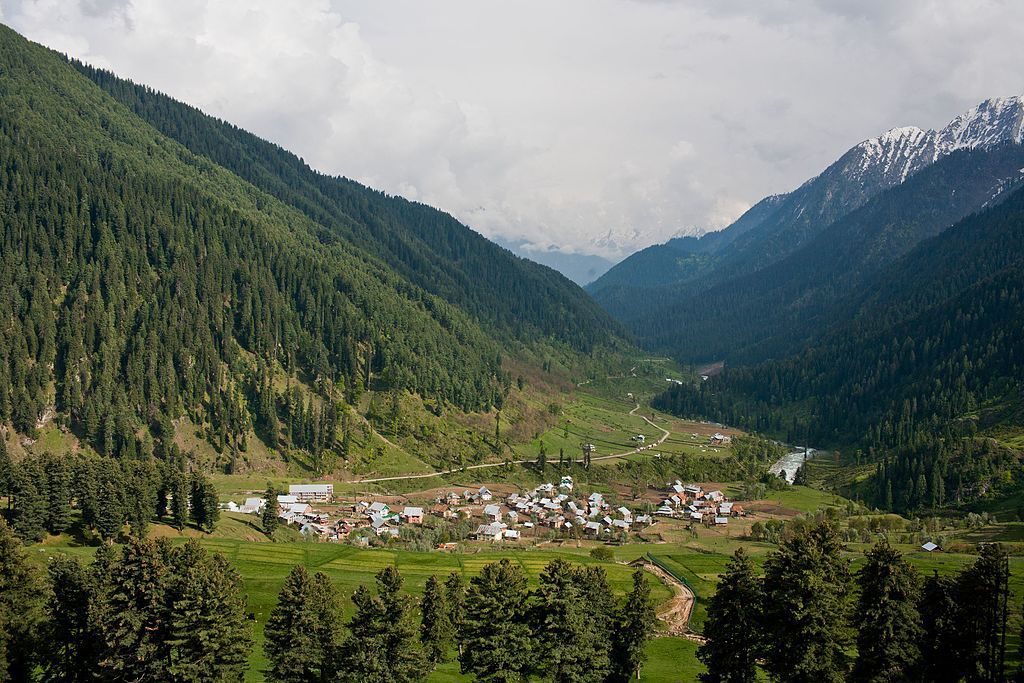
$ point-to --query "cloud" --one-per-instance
(592, 126)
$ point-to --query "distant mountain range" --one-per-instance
(697, 298)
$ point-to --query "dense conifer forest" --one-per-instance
(145, 282)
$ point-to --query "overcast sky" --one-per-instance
(590, 126)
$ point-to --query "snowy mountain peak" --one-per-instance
(897, 153)
(992, 122)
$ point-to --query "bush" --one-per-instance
(603, 553)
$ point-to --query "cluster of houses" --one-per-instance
(557, 507)
(691, 502)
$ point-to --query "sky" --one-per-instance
(591, 127)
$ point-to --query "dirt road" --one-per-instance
(676, 612)
(455, 470)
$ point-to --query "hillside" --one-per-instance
(508, 295)
(780, 226)
(148, 284)
(930, 340)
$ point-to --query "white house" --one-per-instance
(287, 500)
(484, 493)
(317, 493)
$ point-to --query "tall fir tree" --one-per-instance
(58, 494)
(291, 635)
(30, 513)
(634, 630)
(888, 619)
(496, 635)
(455, 601)
(130, 617)
(984, 586)
(20, 609)
(268, 517)
(72, 642)
(435, 627)
(567, 646)
(207, 631)
(733, 625)
(806, 609)
(942, 649)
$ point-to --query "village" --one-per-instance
(548, 511)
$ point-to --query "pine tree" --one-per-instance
(290, 636)
(58, 494)
(496, 637)
(806, 594)
(205, 508)
(110, 510)
(269, 517)
(6, 468)
(455, 601)
(71, 641)
(327, 625)
(567, 648)
(30, 501)
(20, 609)
(207, 631)
(634, 630)
(733, 625)
(382, 646)
(941, 646)
(436, 628)
(130, 617)
(179, 500)
(888, 618)
(984, 586)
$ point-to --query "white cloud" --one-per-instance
(597, 126)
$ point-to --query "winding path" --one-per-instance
(455, 470)
(675, 613)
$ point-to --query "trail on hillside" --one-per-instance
(675, 613)
(455, 470)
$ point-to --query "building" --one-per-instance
(412, 515)
(312, 493)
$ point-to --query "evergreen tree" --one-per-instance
(733, 625)
(496, 637)
(436, 628)
(291, 636)
(179, 500)
(269, 517)
(110, 505)
(72, 643)
(205, 508)
(130, 617)
(327, 625)
(20, 609)
(567, 647)
(6, 469)
(30, 513)
(984, 587)
(806, 593)
(455, 601)
(58, 494)
(941, 646)
(888, 618)
(634, 630)
(208, 634)
(382, 645)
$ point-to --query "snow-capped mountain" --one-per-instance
(892, 156)
(779, 225)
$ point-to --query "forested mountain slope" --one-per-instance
(143, 282)
(933, 337)
(511, 296)
(773, 311)
(774, 230)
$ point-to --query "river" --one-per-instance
(791, 462)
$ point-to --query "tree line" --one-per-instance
(570, 628)
(802, 621)
(113, 496)
(149, 611)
